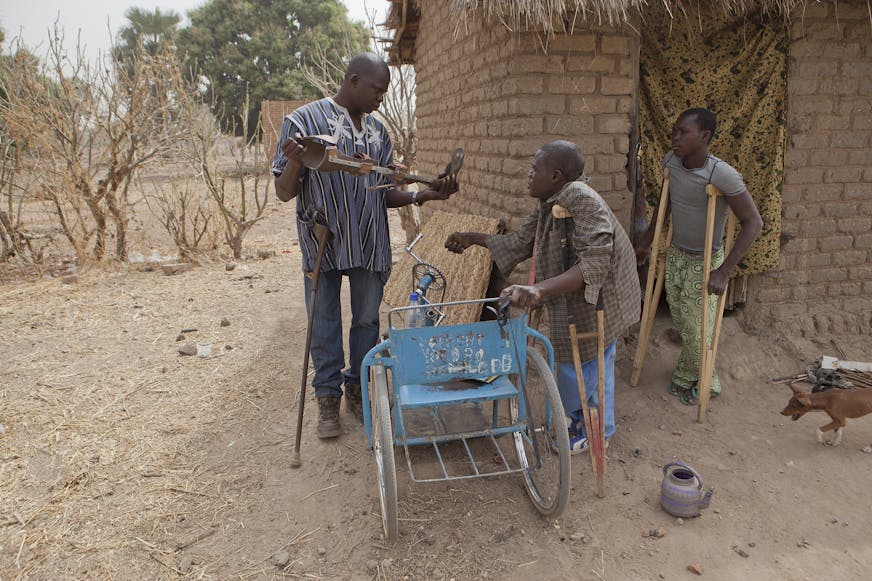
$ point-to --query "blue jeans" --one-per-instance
(567, 385)
(328, 356)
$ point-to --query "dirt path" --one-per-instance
(121, 458)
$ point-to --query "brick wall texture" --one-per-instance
(824, 280)
(272, 115)
(496, 94)
(500, 96)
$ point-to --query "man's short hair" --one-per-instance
(365, 64)
(706, 119)
(565, 156)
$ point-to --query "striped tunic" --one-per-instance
(357, 217)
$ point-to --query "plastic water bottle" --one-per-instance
(414, 317)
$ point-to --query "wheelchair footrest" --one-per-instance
(462, 458)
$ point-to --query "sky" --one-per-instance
(98, 20)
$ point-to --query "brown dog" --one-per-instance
(839, 404)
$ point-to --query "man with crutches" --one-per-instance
(689, 170)
(353, 207)
(581, 252)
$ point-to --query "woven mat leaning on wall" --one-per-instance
(467, 275)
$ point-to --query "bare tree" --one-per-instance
(10, 212)
(240, 192)
(185, 214)
(90, 129)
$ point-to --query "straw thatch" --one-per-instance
(547, 14)
(562, 16)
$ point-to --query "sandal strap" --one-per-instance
(690, 396)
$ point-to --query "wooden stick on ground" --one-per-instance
(652, 294)
(708, 352)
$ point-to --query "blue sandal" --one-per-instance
(690, 396)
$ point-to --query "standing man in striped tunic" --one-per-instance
(357, 219)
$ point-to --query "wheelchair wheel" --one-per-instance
(383, 447)
(546, 479)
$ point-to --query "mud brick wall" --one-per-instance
(272, 115)
(500, 95)
(824, 283)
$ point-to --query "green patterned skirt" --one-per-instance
(683, 283)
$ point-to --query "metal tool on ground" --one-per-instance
(321, 154)
(594, 419)
(322, 235)
(828, 372)
(654, 282)
(708, 351)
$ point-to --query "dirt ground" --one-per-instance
(122, 458)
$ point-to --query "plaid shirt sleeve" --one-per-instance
(509, 250)
(593, 240)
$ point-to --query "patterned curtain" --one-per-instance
(738, 69)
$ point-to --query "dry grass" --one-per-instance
(99, 413)
(556, 16)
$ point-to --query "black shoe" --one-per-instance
(328, 417)
(354, 401)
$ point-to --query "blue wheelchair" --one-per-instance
(475, 399)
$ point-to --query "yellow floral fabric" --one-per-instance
(738, 69)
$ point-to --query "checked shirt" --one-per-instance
(600, 248)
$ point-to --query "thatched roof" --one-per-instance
(559, 16)
(542, 14)
(403, 20)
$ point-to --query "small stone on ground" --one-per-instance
(188, 349)
(281, 558)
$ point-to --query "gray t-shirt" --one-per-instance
(689, 200)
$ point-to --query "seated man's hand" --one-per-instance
(457, 242)
(523, 296)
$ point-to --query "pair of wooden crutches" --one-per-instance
(594, 419)
(654, 287)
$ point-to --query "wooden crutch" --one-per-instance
(656, 269)
(598, 420)
(708, 352)
(533, 315)
(593, 418)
